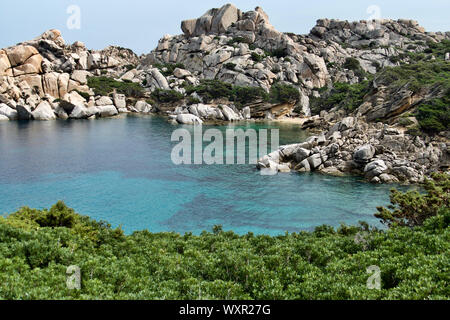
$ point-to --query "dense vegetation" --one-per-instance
(167, 69)
(104, 86)
(37, 246)
(214, 89)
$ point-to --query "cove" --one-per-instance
(120, 170)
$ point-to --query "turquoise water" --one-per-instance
(120, 170)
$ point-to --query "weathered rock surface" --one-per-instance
(188, 119)
(44, 112)
(380, 153)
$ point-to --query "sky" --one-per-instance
(139, 24)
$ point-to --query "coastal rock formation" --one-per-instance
(45, 79)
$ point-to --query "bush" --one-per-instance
(283, 93)
(411, 209)
(257, 57)
(167, 96)
(104, 86)
(167, 69)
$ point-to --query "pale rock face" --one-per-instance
(213, 21)
(104, 101)
(247, 113)
(55, 36)
(204, 111)
(94, 60)
(3, 118)
(188, 119)
(315, 161)
(217, 57)
(43, 112)
(8, 112)
(120, 101)
(129, 75)
(226, 15)
(375, 169)
(18, 55)
(32, 65)
(30, 84)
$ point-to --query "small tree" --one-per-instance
(412, 208)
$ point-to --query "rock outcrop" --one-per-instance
(45, 78)
(380, 153)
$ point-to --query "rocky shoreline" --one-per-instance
(244, 58)
(379, 152)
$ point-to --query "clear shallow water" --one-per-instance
(120, 170)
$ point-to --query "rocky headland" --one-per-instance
(366, 88)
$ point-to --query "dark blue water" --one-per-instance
(120, 170)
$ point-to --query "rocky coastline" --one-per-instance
(244, 55)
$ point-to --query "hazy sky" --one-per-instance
(138, 24)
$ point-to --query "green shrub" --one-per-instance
(104, 86)
(230, 66)
(211, 89)
(343, 95)
(167, 96)
(434, 116)
(352, 64)
(257, 57)
(167, 69)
